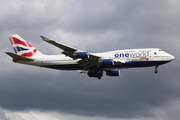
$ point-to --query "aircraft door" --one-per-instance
(151, 55)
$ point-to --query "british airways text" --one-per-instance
(137, 54)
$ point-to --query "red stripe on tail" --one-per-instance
(29, 54)
(17, 41)
(11, 41)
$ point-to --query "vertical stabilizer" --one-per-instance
(23, 48)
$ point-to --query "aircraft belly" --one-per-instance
(136, 64)
(62, 65)
(120, 66)
(65, 67)
(29, 63)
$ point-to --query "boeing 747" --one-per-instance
(93, 63)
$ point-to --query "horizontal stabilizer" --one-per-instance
(18, 57)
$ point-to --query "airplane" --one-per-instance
(91, 63)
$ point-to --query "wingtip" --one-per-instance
(44, 38)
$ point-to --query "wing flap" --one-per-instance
(93, 57)
(18, 57)
(86, 64)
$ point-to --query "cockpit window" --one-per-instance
(160, 50)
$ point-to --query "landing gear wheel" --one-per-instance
(89, 74)
(99, 77)
(96, 74)
(155, 71)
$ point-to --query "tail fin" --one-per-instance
(23, 48)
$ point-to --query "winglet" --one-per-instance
(18, 57)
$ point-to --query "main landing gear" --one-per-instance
(96, 74)
(156, 71)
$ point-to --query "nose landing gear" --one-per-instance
(156, 71)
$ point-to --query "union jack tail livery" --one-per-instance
(23, 50)
(21, 47)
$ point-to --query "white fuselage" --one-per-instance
(131, 58)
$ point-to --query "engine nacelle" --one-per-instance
(107, 62)
(113, 73)
(81, 55)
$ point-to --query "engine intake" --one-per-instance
(107, 62)
(113, 73)
(81, 55)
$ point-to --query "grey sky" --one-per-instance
(94, 26)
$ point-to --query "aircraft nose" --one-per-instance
(169, 57)
(172, 57)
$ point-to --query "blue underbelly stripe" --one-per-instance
(126, 65)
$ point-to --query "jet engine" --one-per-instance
(107, 62)
(81, 55)
(113, 73)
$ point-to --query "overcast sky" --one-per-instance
(34, 93)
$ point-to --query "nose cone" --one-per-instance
(167, 57)
(172, 58)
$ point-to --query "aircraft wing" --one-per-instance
(89, 62)
(86, 64)
(68, 51)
